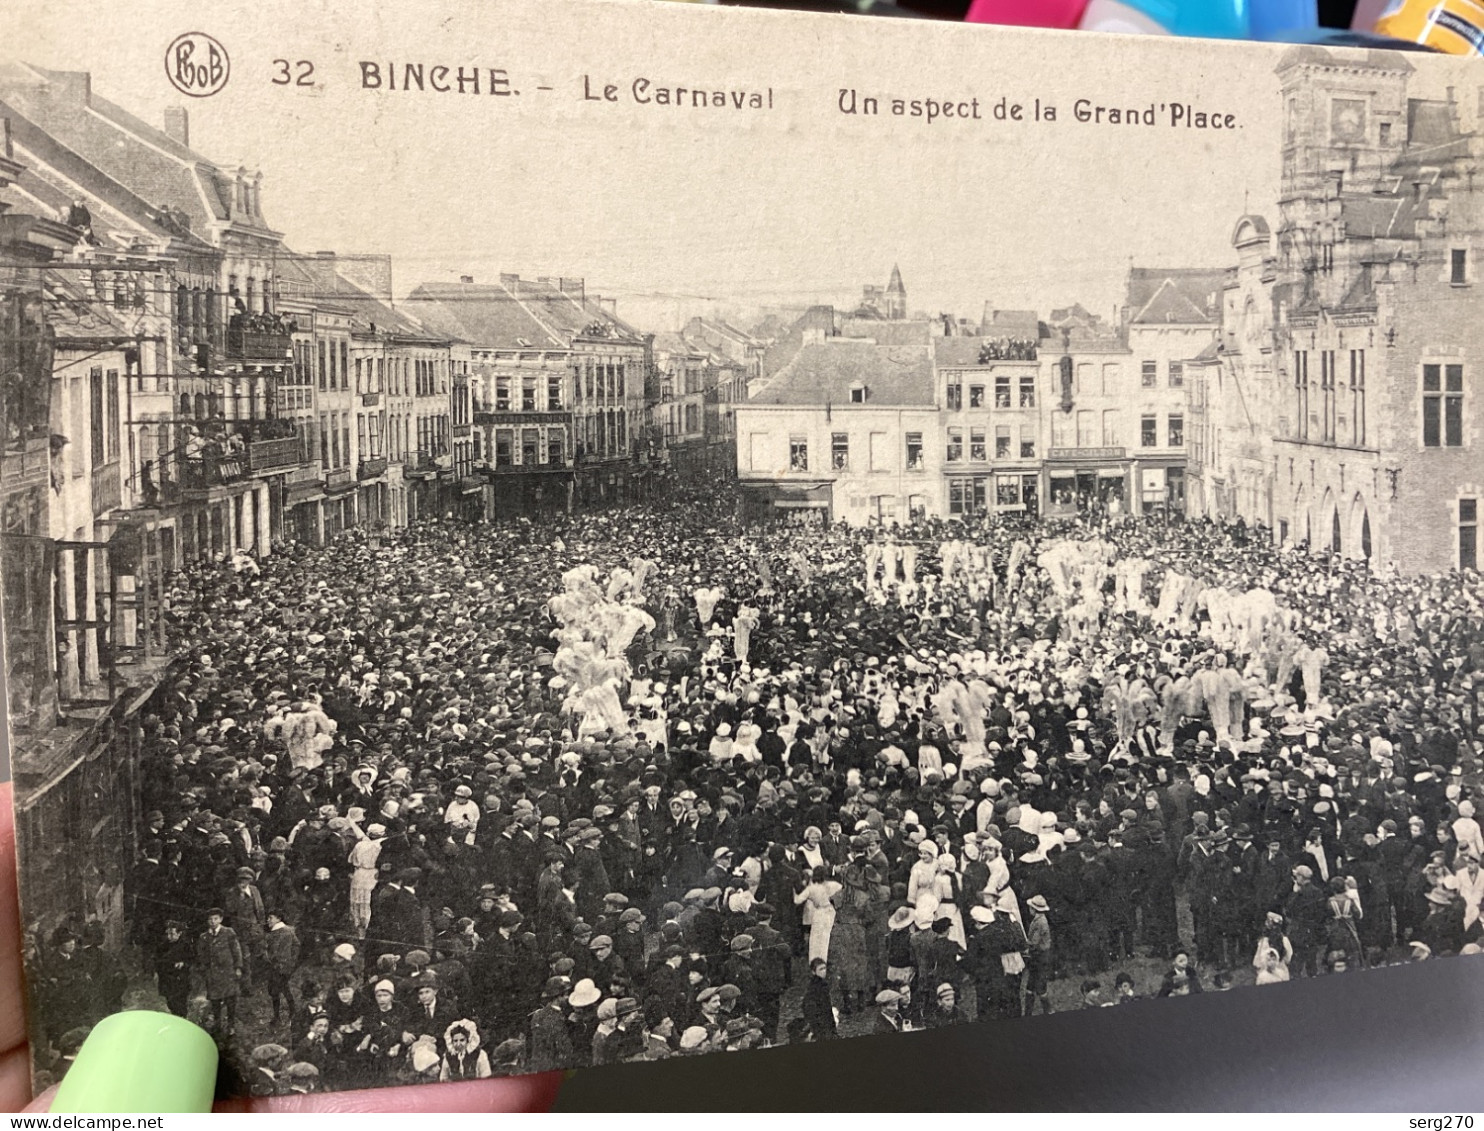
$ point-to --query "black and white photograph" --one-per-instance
(574, 534)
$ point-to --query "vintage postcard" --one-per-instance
(540, 534)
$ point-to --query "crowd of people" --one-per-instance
(810, 782)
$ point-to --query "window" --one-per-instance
(1087, 422)
(96, 426)
(880, 455)
(1007, 490)
(976, 396)
(553, 394)
(1002, 441)
(757, 451)
(111, 416)
(1110, 377)
(954, 395)
(528, 394)
(1028, 391)
(1442, 406)
(530, 446)
(1327, 396)
(1027, 449)
(914, 451)
(798, 453)
(1301, 392)
(1148, 431)
(1149, 374)
(1063, 430)
(1458, 260)
(1177, 431)
(1085, 373)
(857, 394)
(1110, 428)
(840, 451)
(1177, 374)
(323, 364)
(1385, 132)
(345, 365)
(556, 448)
(361, 435)
(1002, 391)
(1357, 398)
(955, 445)
(967, 496)
(1468, 533)
(978, 450)
(502, 394)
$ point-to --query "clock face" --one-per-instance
(1347, 121)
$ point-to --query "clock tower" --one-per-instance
(1344, 119)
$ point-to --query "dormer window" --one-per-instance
(858, 394)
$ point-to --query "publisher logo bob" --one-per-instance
(197, 65)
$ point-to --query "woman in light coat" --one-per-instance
(817, 899)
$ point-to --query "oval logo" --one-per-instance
(197, 65)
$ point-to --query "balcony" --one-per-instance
(338, 479)
(372, 469)
(370, 400)
(261, 338)
(424, 465)
(25, 463)
(206, 472)
(267, 456)
(516, 416)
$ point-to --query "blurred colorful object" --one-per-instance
(1455, 27)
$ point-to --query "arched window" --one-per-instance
(1365, 537)
(1334, 533)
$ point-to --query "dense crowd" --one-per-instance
(858, 781)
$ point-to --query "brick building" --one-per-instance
(1355, 346)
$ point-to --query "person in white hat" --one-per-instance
(462, 815)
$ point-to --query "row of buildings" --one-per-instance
(1325, 386)
(178, 384)
(873, 419)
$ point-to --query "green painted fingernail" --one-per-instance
(144, 1061)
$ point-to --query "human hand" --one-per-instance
(514, 1093)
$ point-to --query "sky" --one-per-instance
(677, 210)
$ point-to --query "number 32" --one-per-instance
(285, 75)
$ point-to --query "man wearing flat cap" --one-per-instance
(243, 907)
(889, 1013)
(219, 968)
(551, 1037)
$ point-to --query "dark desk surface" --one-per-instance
(1402, 1039)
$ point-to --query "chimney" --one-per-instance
(178, 125)
(466, 279)
(573, 287)
(5, 146)
(509, 280)
(324, 255)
